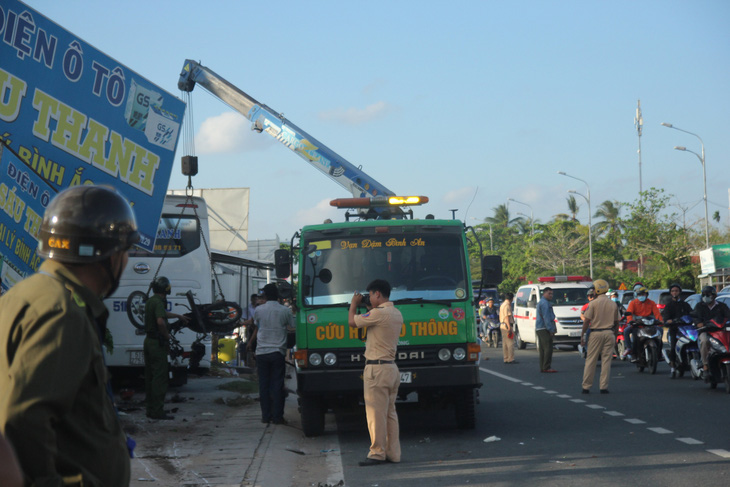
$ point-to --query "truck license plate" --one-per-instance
(405, 377)
(136, 357)
(574, 334)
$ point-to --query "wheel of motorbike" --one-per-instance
(713, 383)
(727, 378)
(221, 317)
(652, 359)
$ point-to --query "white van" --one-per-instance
(570, 293)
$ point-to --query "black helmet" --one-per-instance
(709, 291)
(85, 224)
(161, 285)
(675, 285)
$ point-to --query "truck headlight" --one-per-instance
(330, 358)
(444, 354)
(459, 353)
(315, 359)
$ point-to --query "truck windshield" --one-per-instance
(417, 266)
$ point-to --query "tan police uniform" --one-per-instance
(602, 314)
(381, 379)
(505, 318)
(54, 405)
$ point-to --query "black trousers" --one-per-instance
(271, 371)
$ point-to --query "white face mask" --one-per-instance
(707, 299)
(642, 298)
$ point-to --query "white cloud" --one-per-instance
(317, 214)
(459, 195)
(355, 116)
(229, 132)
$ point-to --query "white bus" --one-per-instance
(180, 255)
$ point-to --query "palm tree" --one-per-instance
(573, 207)
(610, 212)
(501, 217)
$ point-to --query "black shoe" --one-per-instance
(604, 391)
(585, 391)
(371, 461)
(280, 421)
(164, 417)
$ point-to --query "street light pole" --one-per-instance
(532, 220)
(590, 221)
(704, 175)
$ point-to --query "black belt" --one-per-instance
(603, 329)
(378, 362)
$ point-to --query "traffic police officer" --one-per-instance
(602, 317)
(381, 376)
(55, 407)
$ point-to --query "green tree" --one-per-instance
(573, 207)
(652, 232)
(501, 217)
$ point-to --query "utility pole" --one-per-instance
(639, 124)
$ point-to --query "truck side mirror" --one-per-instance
(282, 263)
(492, 269)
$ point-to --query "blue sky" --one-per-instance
(467, 102)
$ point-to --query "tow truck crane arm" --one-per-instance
(265, 119)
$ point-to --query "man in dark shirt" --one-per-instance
(671, 314)
(706, 310)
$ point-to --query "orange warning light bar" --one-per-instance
(379, 201)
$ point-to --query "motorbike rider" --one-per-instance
(642, 306)
(672, 313)
(490, 314)
(706, 310)
(613, 294)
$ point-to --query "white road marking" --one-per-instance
(720, 453)
(502, 376)
(634, 421)
(690, 441)
(658, 430)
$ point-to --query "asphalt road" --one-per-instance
(650, 430)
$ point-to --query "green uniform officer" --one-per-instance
(55, 407)
(156, 347)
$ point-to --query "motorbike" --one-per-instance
(648, 342)
(493, 333)
(719, 356)
(620, 347)
(687, 350)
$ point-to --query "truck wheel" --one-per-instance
(518, 340)
(311, 410)
(465, 409)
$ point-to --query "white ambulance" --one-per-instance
(569, 296)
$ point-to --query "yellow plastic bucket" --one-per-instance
(226, 350)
